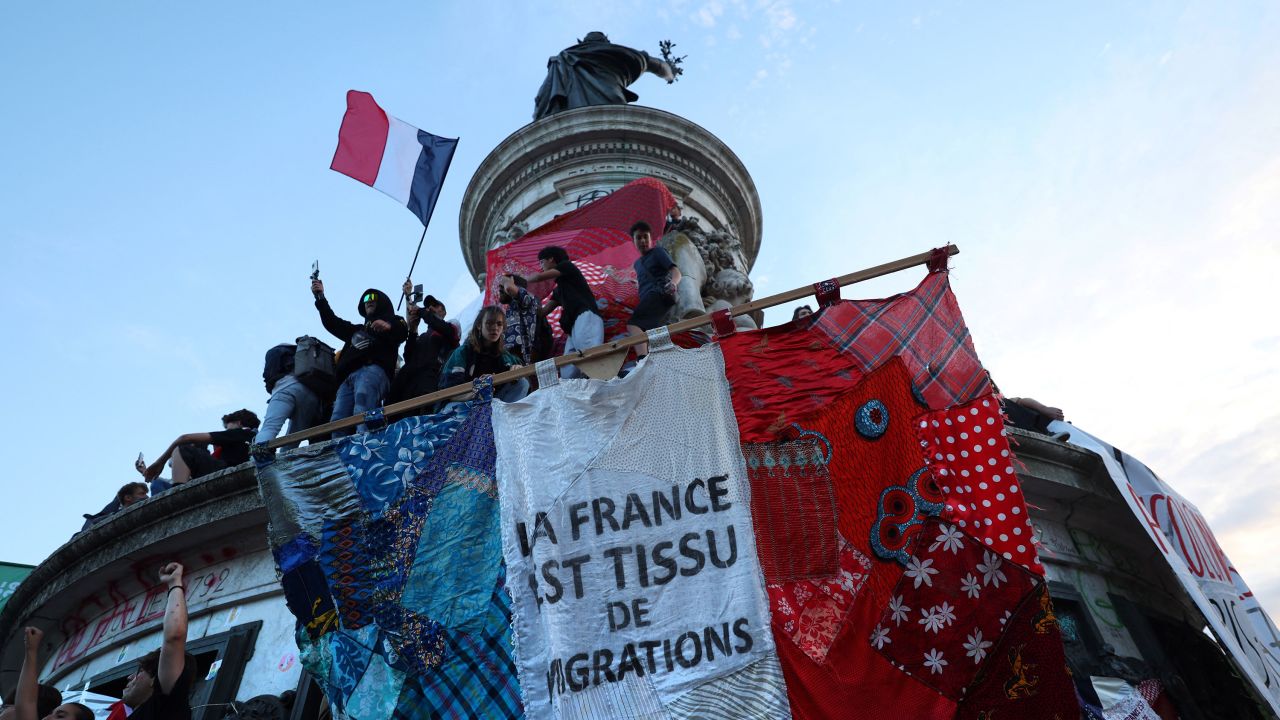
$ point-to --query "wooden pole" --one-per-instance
(615, 346)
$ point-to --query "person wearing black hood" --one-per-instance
(367, 360)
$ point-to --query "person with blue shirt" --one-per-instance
(658, 278)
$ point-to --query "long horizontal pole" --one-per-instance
(610, 348)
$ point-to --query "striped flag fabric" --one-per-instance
(391, 155)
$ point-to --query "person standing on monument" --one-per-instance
(368, 357)
(658, 278)
(580, 321)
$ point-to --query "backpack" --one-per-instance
(279, 362)
(314, 367)
(543, 341)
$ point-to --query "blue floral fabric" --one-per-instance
(399, 593)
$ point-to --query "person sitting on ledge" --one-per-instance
(31, 700)
(193, 459)
(134, 492)
(483, 353)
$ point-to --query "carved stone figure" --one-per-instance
(595, 72)
(714, 271)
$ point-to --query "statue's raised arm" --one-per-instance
(595, 72)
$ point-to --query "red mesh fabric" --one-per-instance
(794, 508)
(924, 327)
(646, 199)
(782, 373)
(1027, 674)
(967, 450)
(594, 233)
(949, 608)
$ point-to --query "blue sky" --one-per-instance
(1110, 171)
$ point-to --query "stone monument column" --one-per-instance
(560, 163)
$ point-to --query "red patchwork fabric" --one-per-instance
(968, 452)
(1027, 675)
(856, 682)
(924, 327)
(780, 374)
(794, 508)
(949, 608)
(853, 677)
(812, 612)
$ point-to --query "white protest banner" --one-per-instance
(630, 552)
(1183, 536)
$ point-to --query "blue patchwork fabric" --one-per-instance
(383, 463)
(399, 593)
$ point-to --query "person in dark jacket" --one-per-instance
(483, 353)
(134, 492)
(367, 360)
(425, 353)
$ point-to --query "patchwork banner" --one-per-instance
(1185, 540)
(389, 553)
(627, 531)
(930, 603)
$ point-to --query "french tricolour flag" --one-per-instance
(391, 155)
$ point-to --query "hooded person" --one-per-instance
(367, 360)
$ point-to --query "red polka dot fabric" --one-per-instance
(966, 449)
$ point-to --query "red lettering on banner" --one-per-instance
(1215, 550)
(1157, 532)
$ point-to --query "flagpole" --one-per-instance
(413, 264)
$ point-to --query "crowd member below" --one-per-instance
(658, 278)
(192, 458)
(483, 354)
(802, 311)
(290, 399)
(134, 492)
(580, 321)
(522, 337)
(424, 354)
(367, 360)
(160, 689)
(32, 701)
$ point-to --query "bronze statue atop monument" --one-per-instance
(597, 72)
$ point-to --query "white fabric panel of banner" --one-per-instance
(1183, 536)
(631, 560)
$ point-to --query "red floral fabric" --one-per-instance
(949, 608)
(811, 612)
(967, 450)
